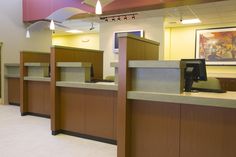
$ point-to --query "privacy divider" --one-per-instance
(35, 83)
(130, 48)
(81, 107)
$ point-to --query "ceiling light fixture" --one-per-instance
(74, 31)
(92, 27)
(133, 17)
(52, 25)
(98, 9)
(119, 17)
(27, 34)
(190, 21)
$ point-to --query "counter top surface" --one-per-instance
(98, 85)
(34, 78)
(12, 64)
(227, 99)
(36, 64)
(155, 64)
(12, 76)
(73, 64)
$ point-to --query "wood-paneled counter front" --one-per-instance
(35, 84)
(87, 110)
(12, 76)
(189, 124)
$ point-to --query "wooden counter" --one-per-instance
(12, 75)
(82, 109)
(155, 119)
(35, 84)
(88, 112)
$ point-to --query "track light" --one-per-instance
(133, 17)
(52, 25)
(27, 34)
(98, 9)
(119, 17)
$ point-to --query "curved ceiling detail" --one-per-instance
(34, 10)
(65, 13)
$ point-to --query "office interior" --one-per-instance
(145, 111)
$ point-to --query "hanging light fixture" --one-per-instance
(98, 9)
(52, 25)
(27, 34)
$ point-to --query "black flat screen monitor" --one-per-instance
(195, 71)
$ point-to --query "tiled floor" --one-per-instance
(30, 136)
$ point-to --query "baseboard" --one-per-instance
(76, 134)
(35, 114)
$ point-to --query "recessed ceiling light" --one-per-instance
(74, 31)
(190, 21)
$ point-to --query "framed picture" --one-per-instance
(138, 33)
(216, 45)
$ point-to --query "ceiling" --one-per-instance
(208, 13)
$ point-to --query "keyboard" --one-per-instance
(209, 90)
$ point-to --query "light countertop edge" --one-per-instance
(11, 76)
(98, 85)
(34, 78)
(226, 100)
(36, 64)
(155, 64)
(74, 64)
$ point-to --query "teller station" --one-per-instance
(153, 108)
(161, 112)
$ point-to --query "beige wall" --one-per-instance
(89, 41)
(153, 29)
(12, 34)
(180, 43)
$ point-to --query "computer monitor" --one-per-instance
(195, 71)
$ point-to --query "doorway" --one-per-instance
(1, 69)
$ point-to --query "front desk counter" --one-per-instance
(87, 110)
(182, 125)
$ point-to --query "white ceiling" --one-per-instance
(208, 13)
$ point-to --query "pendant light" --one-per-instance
(27, 34)
(98, 8)
(52, 25)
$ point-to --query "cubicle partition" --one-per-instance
(156, 118)
(130, 48)
(81, 108)
(35, 84)
(12, 76)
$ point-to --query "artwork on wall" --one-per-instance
(138, 33)
(217, 45)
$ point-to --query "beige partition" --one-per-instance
(35, 83)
